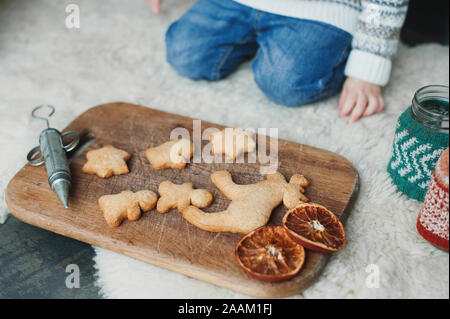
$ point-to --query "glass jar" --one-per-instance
(430, 108)
(420, 139)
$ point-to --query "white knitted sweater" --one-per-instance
(374, 24)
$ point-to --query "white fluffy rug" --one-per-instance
(118, 55)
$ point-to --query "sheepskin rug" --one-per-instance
(118, 54)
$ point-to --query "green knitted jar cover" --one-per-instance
(416, 150)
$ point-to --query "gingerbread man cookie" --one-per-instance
(181, 196)
(232, 142)
(251, 205)
(172, 154)
(125, 205)
(106, 161)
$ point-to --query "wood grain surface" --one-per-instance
(167, 240)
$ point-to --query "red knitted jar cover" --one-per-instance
(433, 221)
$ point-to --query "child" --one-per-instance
(305, 50)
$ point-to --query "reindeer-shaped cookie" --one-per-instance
(251, 205)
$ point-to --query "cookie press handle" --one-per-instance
(35, 160)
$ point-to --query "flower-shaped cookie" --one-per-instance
(127, 204)
(181, 196)
(172, 154)
(232, 142)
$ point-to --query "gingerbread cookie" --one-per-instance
(127, 204)
(232, 142)
(172, 154)
(181, 196)
(106, 161)
(251, 205)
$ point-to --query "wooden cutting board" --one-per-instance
(167, 240)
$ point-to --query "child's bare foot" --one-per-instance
(360, 98)
(156, 5)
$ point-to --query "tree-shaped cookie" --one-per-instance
(125, 205)
(181, 196)
(106, 161)
(232, 142)
(172, 154)
(251, 205)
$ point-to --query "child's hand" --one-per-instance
(360, 98)
(156, 5)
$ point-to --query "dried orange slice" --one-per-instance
(315, 227)
(269, 254)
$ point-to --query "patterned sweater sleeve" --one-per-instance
(376, 39)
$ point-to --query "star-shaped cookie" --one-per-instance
(232, 142)
(106, 161)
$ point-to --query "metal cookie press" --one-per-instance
(52, 152)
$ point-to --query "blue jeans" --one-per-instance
(297, 61)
